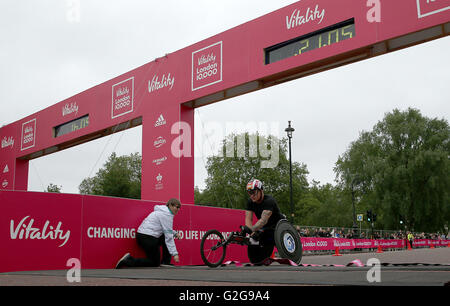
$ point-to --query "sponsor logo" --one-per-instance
(289, 242)
(159, 142)
(299, 17)
(160, 121)
(340, 243)
(159, 161)
(5, 184)
(111, 233)
(28, 134)
(320, 243)
(155, 84)
(24, 231)
(122, 98)
(159, 185)
(7, 142)
(69, 109)
(431, 7)
(207, 66)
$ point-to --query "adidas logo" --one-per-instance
(6, 170)
(160, 121)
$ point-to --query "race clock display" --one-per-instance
(298, 46)
(71, 126)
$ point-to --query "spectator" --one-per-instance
(156, 230)
(410, 238)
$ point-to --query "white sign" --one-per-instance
(26, 231)
(156, 84)
(299, 17)
(430, 7)
(7, 142)
(160, 121)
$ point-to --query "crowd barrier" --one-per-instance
(42, 231)
(328, 244)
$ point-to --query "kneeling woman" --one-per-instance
(156, 230)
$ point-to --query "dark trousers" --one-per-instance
(151, 246)
(257, 253)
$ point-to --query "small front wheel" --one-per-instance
(212, 248)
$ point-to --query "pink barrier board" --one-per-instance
(42, 231)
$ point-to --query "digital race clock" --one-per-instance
(324, 37)
(71, 126)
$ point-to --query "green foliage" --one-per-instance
(402, 167)
(325, 205)
(119, 177)
(241, 159)
(53, 188)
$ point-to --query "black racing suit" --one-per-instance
(258, 253)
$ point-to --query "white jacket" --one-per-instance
(160, 222)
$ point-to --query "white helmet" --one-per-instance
(254, 184)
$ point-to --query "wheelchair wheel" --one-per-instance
(211, 249)
(288, 241)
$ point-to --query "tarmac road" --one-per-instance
(418, 267)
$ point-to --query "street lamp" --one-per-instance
(289, 130)
(355, 180)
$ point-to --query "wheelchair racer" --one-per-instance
(268, 213)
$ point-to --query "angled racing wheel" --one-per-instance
(287, 241)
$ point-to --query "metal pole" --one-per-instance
(289, 131)
(355, 226)
(290, 181)
(354, 211)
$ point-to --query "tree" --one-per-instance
(53, 188)
(325, 205)
(403, 167)
(119, 177)
(243, 157)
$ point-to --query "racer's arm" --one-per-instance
(265, 215)
(249, 218)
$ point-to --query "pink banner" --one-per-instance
(429, 242)
(39, 230)
(324, 244)
(42, 231)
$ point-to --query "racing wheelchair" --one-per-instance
(213, 245)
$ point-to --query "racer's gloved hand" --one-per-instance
(247, 230)
(256, 235)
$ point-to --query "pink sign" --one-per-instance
(322, 244)
(122, 98)
(38, 231)
(42, 231)
(430, 7)
(28, 134)
(207, 66)
(109, 228)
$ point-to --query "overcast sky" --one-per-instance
(51, 51)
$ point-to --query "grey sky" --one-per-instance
(47, 55)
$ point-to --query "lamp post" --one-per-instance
(355, 180)
(289, 131)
